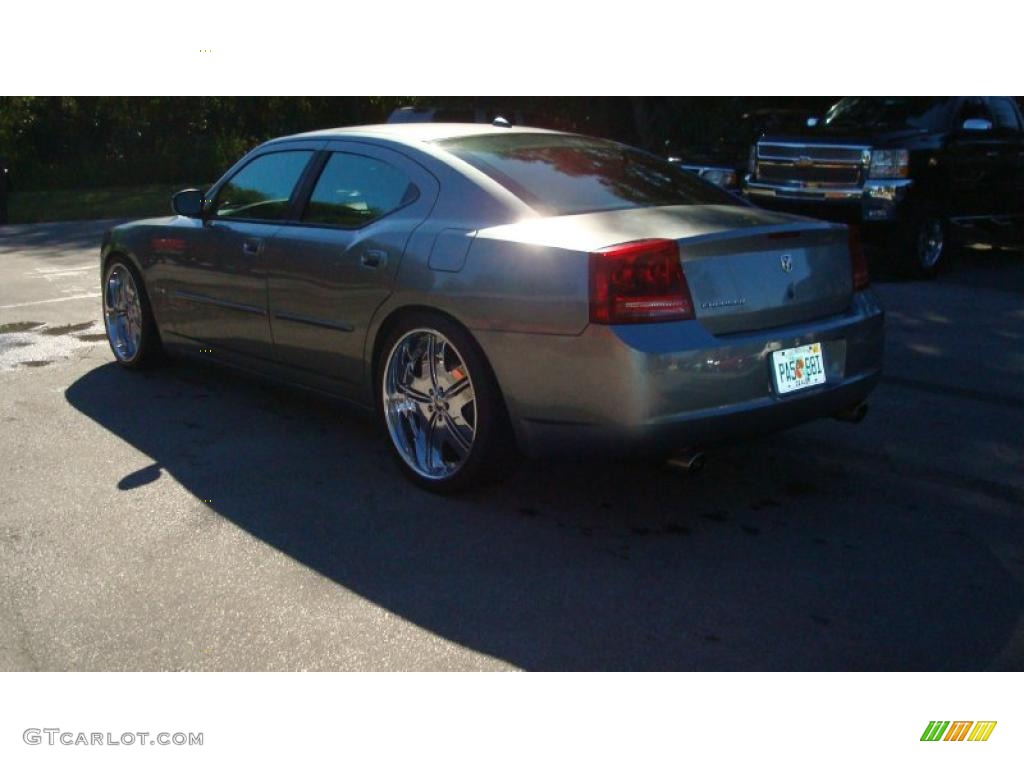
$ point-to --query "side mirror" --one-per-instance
(188, 202)
(977, 124)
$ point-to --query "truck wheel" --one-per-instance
(926, 245)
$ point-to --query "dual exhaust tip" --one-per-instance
(692, 461)
(689, 461)
(854, 415)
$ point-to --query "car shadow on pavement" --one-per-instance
(784, 553)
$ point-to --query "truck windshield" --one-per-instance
(920, 112)
(562, 174)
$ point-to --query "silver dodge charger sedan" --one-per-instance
(495, 291)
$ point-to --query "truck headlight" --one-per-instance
(889, 164)
(723, 177)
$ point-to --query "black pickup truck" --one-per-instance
(919, 175)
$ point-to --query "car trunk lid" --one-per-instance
(742, 281)
(747, 268)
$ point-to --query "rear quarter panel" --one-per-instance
(507, 286)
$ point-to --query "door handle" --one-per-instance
(373, 259)
(252, 247)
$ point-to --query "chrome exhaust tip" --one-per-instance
(689, 461)
(854, 415)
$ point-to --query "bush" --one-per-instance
(88, 142)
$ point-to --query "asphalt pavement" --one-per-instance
(189, 518)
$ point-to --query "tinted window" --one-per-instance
(353, 190)
(1004, 115)
(972, 109)
(262, 188)
(411, 115)
(560, 174)
(923, 112)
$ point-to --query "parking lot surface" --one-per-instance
(187, 518)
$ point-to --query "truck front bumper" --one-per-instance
(876, 200)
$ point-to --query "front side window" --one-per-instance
(1004, 114)
(973, 109)
(562, 174)
(262, 189)
(354, 190)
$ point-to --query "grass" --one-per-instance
(107, 203)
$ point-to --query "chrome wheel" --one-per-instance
(122, 313)
(930, 242)
(429, 403)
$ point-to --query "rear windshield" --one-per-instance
(559, 174)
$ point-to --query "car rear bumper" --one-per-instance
(656, 387)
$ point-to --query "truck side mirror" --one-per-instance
(188, 202)
(977, 124)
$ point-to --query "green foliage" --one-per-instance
(89, 142)
(29, 207)
(85, 142)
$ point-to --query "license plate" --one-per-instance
(798, 368)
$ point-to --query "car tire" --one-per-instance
(926, 245)
(128, 316)
(441, 406)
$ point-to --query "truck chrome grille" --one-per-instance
(811, 165)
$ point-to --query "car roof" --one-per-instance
(413, 132)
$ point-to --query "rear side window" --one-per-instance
(262, 189)
(354, 190)
(1004, 115)
(560, 174)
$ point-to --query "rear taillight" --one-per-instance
(858, 262)
(638, 282)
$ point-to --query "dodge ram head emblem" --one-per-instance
(787, 262)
